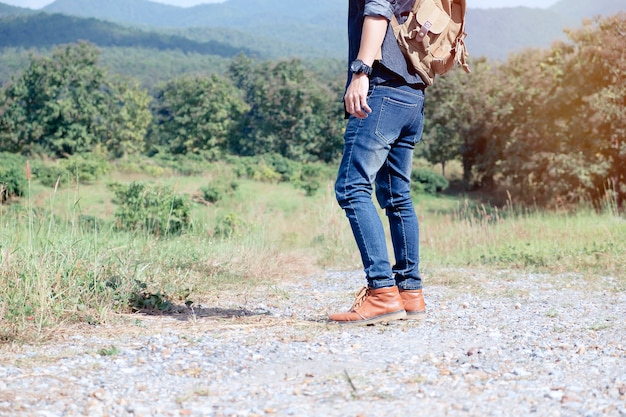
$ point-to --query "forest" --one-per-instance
(547, 125)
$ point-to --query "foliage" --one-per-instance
(153, 209)
(195, 114)
(230, 225)
(128, 121)
(547, 125)
(461, 121)
(79, 168)
(218, 190)
(183, 164)
(427, 181)
(55, 103)
(563, 142)
(64, 104)
(291, 113)
(50, 174)
(85, 167)
(13, 180)
(274, 168)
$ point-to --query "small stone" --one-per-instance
(473, 351)
(555, 395)
(98, 394)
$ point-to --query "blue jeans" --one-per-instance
(379, 149)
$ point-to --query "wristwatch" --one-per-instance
(359, 67)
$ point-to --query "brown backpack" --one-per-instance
(432, 37)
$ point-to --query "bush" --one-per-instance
(229, 225)
(85, 167)
(49, 174)
(13, 180)
(217, 190)
(139, 164)
(309, 179)
(157, 210)
(266, 168)
(187, 165)
(427, 181)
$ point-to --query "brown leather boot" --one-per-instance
(373, 306)
(414, 304)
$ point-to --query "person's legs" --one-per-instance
(364, 154)
(379, 148)
(393, 191)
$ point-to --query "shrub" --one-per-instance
(49, 174)
(266, 168)
(139, 164)
(13, 180)
(85, 167)
(229, 225)
(427, 181)
(309, 179)
(187, 165)
(157, 210)
(217, 190)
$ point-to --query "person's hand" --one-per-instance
(356, 96)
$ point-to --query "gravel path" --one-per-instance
(494, 344)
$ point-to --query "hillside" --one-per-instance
(56, 29)
(266, 28)
(319, 26)
(232, 13)
(6, 10)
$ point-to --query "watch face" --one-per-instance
(356, 66)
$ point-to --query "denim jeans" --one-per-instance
(379, 149)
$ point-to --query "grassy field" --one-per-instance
(62, 260)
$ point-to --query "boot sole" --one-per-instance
(415, 316)
(398, 315)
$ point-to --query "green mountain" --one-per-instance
(6, 10)
(272, 28)
(319, 27)
(232, 13)
(44, 30)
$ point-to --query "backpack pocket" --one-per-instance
(432, 37)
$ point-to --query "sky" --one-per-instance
(483, 4)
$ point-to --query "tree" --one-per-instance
(463, 113)
(596, 69)
(566, 130)
(197, 113)
(129, 120)
(56, 103)
(291, 113)
(65, 104)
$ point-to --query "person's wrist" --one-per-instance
(358, 67)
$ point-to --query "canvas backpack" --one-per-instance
(432, 37)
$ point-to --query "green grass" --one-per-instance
(62, 261)
(581, 241)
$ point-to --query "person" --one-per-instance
(384, 104)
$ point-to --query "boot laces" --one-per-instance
(359, 298)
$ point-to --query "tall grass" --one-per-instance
(62, 261)
(584, 240)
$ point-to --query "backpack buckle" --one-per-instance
(424, 29)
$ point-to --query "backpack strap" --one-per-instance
(460, 50)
